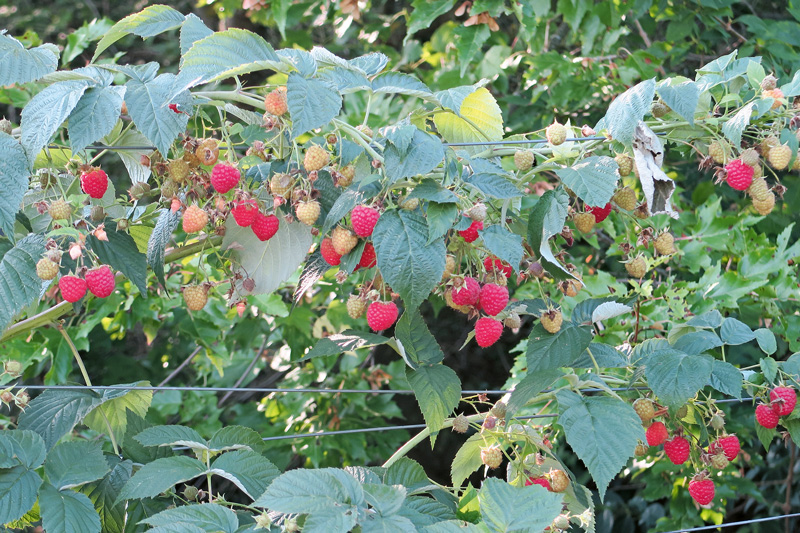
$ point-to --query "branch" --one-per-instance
(45, 317)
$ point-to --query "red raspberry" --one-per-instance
(381, 315)
(244, 212)
(72, 288)
(265, 226)
(541, 481)
(766, 416)
(487, 331)
(471, 233)
(364, 219)
(94, 183)
(600, 213)
(329, 253)
(656, 434)
(224, 177)
(368, 258)
(468, 293)
(493, 263)
(100, 281)
(740, 176)
(702, 491)
(729, 445)
(493, 298)
(783, 400)
(677, 449)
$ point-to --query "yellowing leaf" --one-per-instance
(480, 120)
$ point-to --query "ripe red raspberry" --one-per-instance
(739, 175)
(265, 226)
(702, 491)
(381, 315)
(493, 298)
(766, 417)
(224, 177)
(94, 183)
(468, 293)
(194, 219)
(656, 434)
(100, 281)
(72, 288)
(487, 331)
(364, 219)
(729, 445)
(493, 263)
(677, 450)
(541, 481)
(471, 233)
(783, 400)
(368, 258)
(244, 212)
(329, 253)
(275, 102)
(600, 213)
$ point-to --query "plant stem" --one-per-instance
(185, 251)
(45, 317)
(234, 96)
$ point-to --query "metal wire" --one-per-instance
(731, 524)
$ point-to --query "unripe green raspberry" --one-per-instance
(625, 198)
(60, 209)
(499, 410)
(13, 368)
(769, 83)
(750, 157)
(523, 160)
(139, 190)
(625, 163)
(460, 424)
(659, 109)
(556, 133)
(190, 493)
(97, 213)
(46, 269)
(408, 204)
(6, 126)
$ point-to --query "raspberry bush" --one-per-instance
(264, 203)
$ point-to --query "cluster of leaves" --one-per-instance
(422, 188)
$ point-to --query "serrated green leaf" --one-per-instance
(370, 64)
(120, 251)
(313, 103)
(148, 106)
(268, 263)
(67, 511)
(425, 511)
(697, 342)
(74, 463)
(133, 449)
(593, 179)
(733, 128)
(171, 436)
(94, 116)
(246, 469)
(409, 264)
(467, 459)
(54, 413)
(627, 110)
(114, 412)
(490, 179)
(726, 378)
(45, 113)
(162, 235)
(226, 54)
(423, 154)
(506, 508)
(675, 376)
(606, 357)
(132, 159)
(311, 491)
(681, 95)
(148, 22)
(429, 189)
(206, 516)
(438, 391)
(235, 438)
(420, 346)
(386, 500)
(103, 495)
(156, 477)
(18, 486)
(592, 422)
(546, 220)
(452, 526)
(469, 43)
(192, 30)
(528, 387)
(503, 244)
(735, 332)
(408, 473)
(765, 436)
(19, 284)
(766, 341)
(346, 81)
(14, 176)
(21, 65)
(440, 219)
(769, 367)
(346, 341)
(547, 351)
(21, 447)
(425, 13)
(400, 83)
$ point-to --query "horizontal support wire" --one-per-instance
(731, 524)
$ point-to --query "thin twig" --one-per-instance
(247, 371)
(181, 366)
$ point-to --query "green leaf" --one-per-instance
(346, 201)
(376, 523)
(517, 509)
(420, 346)
(94, 116)
(697, 342)
(733, 128)
(148, 106)
(171, 436)
(156, 477)
(425, 511)
(710, 319)
(409, 264)
(408, 473)
(593, 179)
(528, 387)
(235, 438)
(438, 391)
(726, 378)
(132, 158)
(384, 499)
(424, 153)
(312, 103)
(206, 516)
(602, 431)
(311, 491)
(268, 263)
(103, 495)
(45, 113)
(547, 351)
(21, 447)
(21, 65)
(346, 341)
(178, 527)
(440, 219)
(546, 220)
(71, 464)
(467, 459)
(159, 239)
(149, 22)
(606, 357)
(793, 427)
(469, 43)
(769, 367)
(491, 180)
(675, 377)
(18, 487)
(54, 413)
(192, 30)
(114, 411)
(278, 10)
(431, 190)
(681, 95)
(400, 83)
(766, 341)
(627, 110)
(67, 511)
(246, 469)
(425, 13)
(133, 449)
(735, 332)
(14, 176)
(503, 244)
(370, 64)
(452, 526)
(120, 251)
(765, 436)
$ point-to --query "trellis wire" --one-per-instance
(731, 524)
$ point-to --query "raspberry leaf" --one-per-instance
(160, 475)
(120, 251)
(681, 95)
(675, 376)
(420, 346)
(593, 179)
(148, 103)
(532, 384)
(422, 155)
(491, 180)
(313, 491)
(159, 239)
(95, 115)
(400, 83)
(505, 245)
(71, 464)
(478, 110)
(312, 103)
(734, 127)
(546, 220)
(347, 341)
(21, 65)
(766, 341)
(735, 332)
(438, 391)
(19, 284)
(591, 425)
(66, 510)
(192, 30)
(440, 220)
(726, 378)
(626, 111)
(14, 175)
(114, 411)
(19, 492)
(508, 508)
(248, 470)
(149, 22)
(548, 351)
